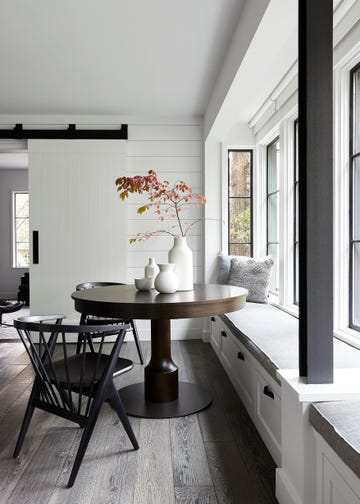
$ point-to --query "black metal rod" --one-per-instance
(71, 133)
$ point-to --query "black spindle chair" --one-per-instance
(72, 386)
(90, 319)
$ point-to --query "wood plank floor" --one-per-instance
(213, 457)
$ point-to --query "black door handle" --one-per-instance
(241, 356)
(212, 319)
(223, 333)
(35, 244)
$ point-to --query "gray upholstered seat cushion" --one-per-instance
(338, 423)
(271, 336)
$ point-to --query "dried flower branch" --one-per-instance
(165, 201)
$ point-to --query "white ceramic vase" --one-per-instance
(166, 281)
(151, 270)
(181, 255)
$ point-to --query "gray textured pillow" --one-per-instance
(253, 275)
(224, 266)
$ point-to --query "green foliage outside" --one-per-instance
(240, 227)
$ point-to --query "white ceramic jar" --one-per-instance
(151, 270)
(166, 281)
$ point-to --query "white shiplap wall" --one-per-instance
(175, 153)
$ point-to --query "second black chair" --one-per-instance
(90, 319)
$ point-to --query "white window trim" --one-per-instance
(13, 228)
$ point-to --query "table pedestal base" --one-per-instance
(192, 398)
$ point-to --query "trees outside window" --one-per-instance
(240, 202)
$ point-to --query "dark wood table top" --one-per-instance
(126, 301)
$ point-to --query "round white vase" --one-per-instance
(166, 281)
(151, 270)
(181, 255)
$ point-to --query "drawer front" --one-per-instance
(268, 415)
(227, 352)
(215, 337)
(244, 378)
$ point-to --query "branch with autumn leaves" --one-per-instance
(166, 201)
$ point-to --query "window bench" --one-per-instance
(252, 345)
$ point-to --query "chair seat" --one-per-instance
(75, 374)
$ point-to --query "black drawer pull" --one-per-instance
(223, 333)
(212, 319)
(268, 392)
(241, 356)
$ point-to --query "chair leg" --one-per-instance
(137, 340)
(78, 344)
(85, 438)
(25, 425)
(117, 404)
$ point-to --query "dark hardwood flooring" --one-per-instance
(215, 456)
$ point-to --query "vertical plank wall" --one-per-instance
(175, 153)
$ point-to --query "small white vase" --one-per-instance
(151, 270)
(181, 255)
(166, 281)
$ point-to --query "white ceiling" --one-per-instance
(133, 57)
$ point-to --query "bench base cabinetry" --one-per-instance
(259, 392)
(336, 483)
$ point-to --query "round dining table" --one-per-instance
(161, 395)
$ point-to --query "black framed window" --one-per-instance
(355, 198)
(296, 212)
(273, 210)
(240, 209)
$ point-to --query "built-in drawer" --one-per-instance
(228, 351)
(215, 337)
(244, 377)
(268, 414)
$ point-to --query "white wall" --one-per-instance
(174, 152)
(10, 180)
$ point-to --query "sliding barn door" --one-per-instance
(79, 218)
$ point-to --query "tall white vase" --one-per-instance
(181, 255)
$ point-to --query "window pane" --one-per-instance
(242, 250)
(356, 285)
(296, 289)
(239, 173)
(240, 219)
(22, 205)
(356, 112)
(273, 250)
(296, 220)
(356, 203)
(21, 230)
(22, 255)
(296, 150)
(273, 217)
(272, 167)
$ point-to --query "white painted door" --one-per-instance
(75, 208)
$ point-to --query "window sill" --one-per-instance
(290, 309)
(348, 336)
